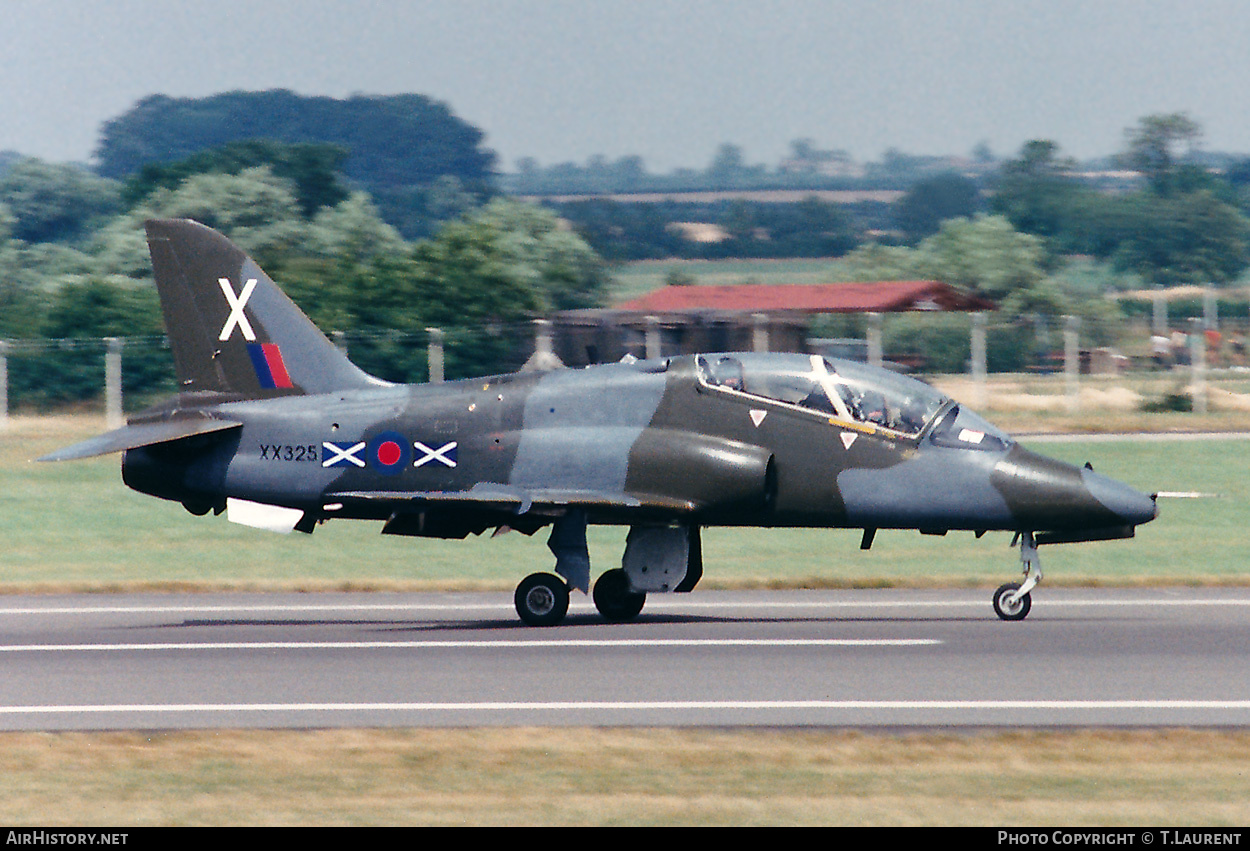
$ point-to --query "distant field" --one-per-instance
(76, 526)
(631, 280)
(772, 196)
(1024, 403)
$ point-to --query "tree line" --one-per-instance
(383, 216)
(805, 167)
(480, 277)
(1178, 219)
(412, 154)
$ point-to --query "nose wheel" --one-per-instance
(1012, 601)
(1010, 604)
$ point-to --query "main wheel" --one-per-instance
(614, 598)
(1007, 610)
(542, 599)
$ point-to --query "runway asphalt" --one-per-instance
(872, 659)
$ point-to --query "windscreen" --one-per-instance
(886, 398)
(843, 389)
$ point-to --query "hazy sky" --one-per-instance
(669, 80)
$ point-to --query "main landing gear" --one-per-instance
(616, 599)
(1012, 601)
(657, 558)
(542, 599)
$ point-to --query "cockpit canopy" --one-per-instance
(851, 392)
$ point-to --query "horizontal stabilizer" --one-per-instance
(140, 434)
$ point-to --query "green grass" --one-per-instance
(74, 525)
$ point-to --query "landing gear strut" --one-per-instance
(542, 599)
(1012, 601)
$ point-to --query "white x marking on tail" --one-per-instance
(237, 303)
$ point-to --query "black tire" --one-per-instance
(1007, 612)
(614, 598)
(542, 599)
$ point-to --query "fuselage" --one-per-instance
(278, 428)
(759, 440)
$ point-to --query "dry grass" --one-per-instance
(624, 777)
(1040, 403)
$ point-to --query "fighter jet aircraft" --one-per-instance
(277, 428)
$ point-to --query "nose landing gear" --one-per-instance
(1012, 600)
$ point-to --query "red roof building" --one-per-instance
(870, 297)
(741, 317)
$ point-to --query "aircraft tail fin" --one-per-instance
(231, 329)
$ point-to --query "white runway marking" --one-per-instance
(634, 706)
(486, 645)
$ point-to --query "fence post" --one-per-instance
(435, 356)
(653, 349)
(977, 364)
(1072, 361)
(1198, 362)
(759, 332)
(874, 339)
(4, 384)
(113, 383)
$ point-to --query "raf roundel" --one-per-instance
(388, 453)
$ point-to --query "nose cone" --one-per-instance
(1045, 494)
(1129, 504)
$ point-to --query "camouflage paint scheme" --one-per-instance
(275, 425)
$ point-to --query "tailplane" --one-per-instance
(231, 329)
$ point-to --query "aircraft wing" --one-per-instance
(520, 500)
(141, 434)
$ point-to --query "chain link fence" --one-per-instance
(40, 375)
